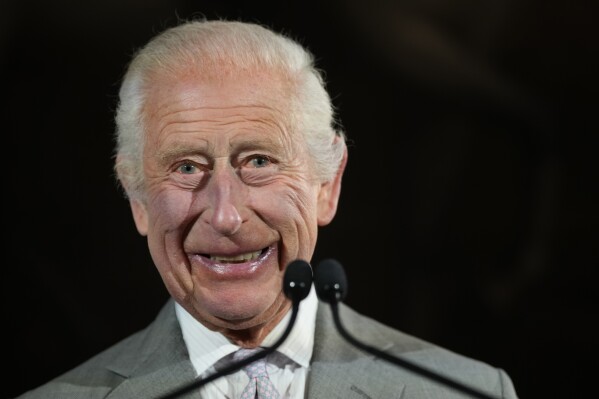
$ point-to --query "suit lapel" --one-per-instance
(339, 370)
(159, 364)
(155, 383)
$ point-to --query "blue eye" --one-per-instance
(260, 161)
(187, 169)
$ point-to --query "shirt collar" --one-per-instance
(206, 347)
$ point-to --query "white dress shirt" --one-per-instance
(287, 367)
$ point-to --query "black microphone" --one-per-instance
(297, 282)
(331, 286)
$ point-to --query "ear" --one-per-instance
(328, 196)
(140, 216)
(138, 208)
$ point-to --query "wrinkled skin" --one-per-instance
(226, 176)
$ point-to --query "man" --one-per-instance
(228, 153)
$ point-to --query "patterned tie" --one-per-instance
(260, 386)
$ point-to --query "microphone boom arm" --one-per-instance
(402, 362)
(331, 286)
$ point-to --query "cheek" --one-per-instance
(287, 203)
(168, 209)
(290, 210)
(305, 200)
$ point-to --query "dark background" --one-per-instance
(468, 213)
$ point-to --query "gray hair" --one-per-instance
(215, 48)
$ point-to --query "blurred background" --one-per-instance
(468, 215)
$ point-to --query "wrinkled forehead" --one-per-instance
(248, 108)
(243, 90)
(247, 83)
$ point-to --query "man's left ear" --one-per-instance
(328, 196)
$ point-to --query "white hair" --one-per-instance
(214, 49)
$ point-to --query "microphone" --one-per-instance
(297, 282)
(330, 282)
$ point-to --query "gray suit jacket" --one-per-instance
(154, 361)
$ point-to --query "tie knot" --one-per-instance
(260, 386)
(254, 369)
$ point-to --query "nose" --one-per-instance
(226, 192)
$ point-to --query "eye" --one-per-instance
(259, 161)
(187, 169)
(258, 169)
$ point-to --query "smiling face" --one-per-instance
(231, 199)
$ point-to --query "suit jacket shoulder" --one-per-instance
(143, 365)
(340, 370)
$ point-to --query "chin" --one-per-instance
(242, 312)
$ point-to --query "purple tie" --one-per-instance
(260, 386)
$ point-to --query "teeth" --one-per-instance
(238, 258)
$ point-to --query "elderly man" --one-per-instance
(230, 159)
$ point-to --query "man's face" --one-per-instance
(231, 198)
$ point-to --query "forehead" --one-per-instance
(259, 93)
(189, 112)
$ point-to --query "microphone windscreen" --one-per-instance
(297, 280)
(330, 281)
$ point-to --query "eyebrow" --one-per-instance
(256, 144)
(179, 151)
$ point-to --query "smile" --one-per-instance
(234, 266)
(250, 256)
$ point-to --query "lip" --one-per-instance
(233, 270)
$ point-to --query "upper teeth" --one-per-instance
(237, 258)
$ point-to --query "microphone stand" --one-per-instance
(331, 286)
(404, 363)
